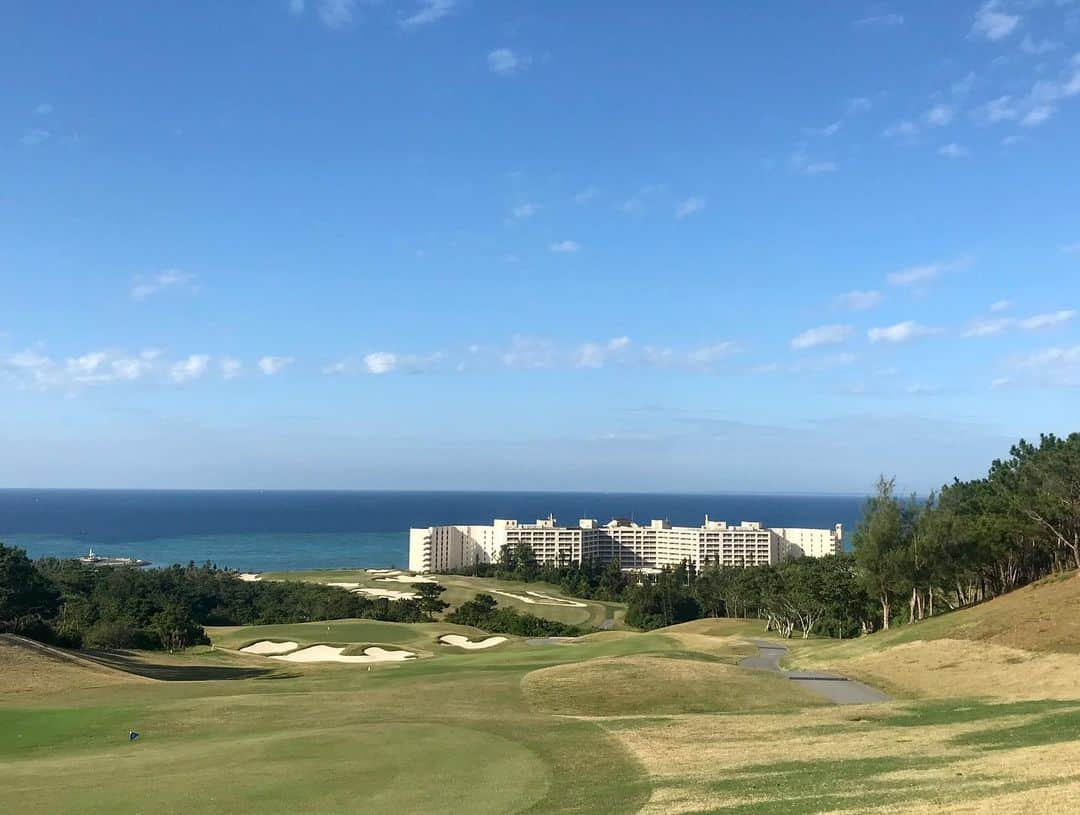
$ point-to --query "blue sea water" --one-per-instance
(270, 530)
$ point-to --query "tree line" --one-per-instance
(71, 604)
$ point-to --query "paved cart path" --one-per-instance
(837, 689)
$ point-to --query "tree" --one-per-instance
(879, 547)
(26, 595)
(431, 602)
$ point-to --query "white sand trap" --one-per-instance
(459, 641)
(538, 599)
(389, 594)
(349, 586)
(249, 577)
(405, 578)
(383, 571)
(328, 653)
(268, 647)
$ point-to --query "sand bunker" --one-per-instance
(405, 578)
(538, 599)
(268, 647)
(249, 577)
(383, 571)
(459, 641)
(329, 653)
(389, 594)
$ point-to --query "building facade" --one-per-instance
(632, 545)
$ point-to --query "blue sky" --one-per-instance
(535, 245)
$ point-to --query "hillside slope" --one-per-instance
(31, 669)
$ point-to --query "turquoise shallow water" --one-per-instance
(266, 531)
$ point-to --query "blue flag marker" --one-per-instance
(132, 735)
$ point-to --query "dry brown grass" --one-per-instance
(954, 667)
(29, 670)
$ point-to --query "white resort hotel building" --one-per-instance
(634, 546)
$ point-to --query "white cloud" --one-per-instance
(901, 130)
(1037, 115)
(529, 352)
(859, 104)
(430, 11)
(34, 137)
(564, 247)
(596, 355)
(859, 300)
(1058, 366)
(988, 328)
(708, 354)
(1050, 320)
(953, 150)
(828, 130)
(689, 207)
(822, 335)
(230, 367)
(926, 273)
(145, 286)
(901, 332)
(44, 109)
(526, 210)
(818, 168)
(1001, 109)
(938, 115)
(888, 20)
(273, 365)
(505, 61)
(189, 369)
(585, 195)
(1030, 45)
(992, 23)
(1001, 305)
(1000, 382)
(334, 13)
(380, 362)
(963, 86)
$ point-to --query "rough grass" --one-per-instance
(657, 685)
(28, 668)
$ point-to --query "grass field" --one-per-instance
(614, 722)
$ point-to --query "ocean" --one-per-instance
(262, 531)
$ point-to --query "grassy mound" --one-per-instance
(660, 685)
(30, 669)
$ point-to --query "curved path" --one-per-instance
(837, 689)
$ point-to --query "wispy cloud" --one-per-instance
(858, 104)
(828, 130)
(272, 366)
(334, 13)
(822, 335)
(296, 7)
(525, 210)
(926, 273)
(953, 150)
(430, 11)
(34, 137)
(585, 195)
(883, 20)
(191, 368)
(380, 362)
(1057, 366)
(859, 300)
(689, 206)
(505, 61)
(146, 286)
(939, 115)
(231, 367)
(904, 129)
(1029, 45)
(1049, 320)
(988, 328)
(992, 23)
(804, 165)
(564, 247)
(596, 355)
(1000, 305)
(43, 109)
(900, 332)
(963, 86)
